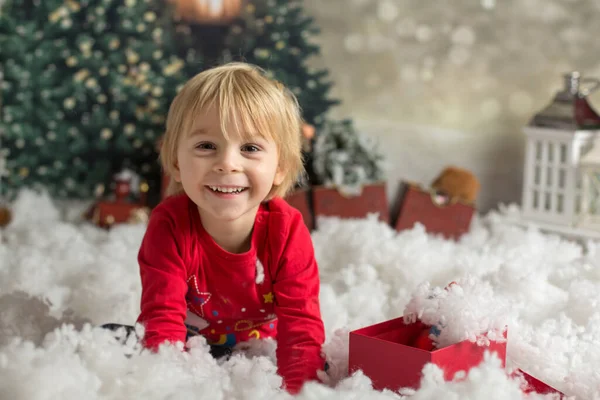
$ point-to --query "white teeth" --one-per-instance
(225, 190)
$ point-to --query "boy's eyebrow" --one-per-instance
(200, 131)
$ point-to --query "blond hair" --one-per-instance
(243, 92)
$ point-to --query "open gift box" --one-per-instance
(535, 385)
(383, 352)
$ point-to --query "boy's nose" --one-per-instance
(228, 161)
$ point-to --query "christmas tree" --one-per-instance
(87, 86)
(276, 35)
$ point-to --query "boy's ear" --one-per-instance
(279, 176)
(176, 173)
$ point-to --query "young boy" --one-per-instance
(224, 255)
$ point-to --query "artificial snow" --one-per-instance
(464, 310)
(61, 277)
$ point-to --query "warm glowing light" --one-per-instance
(208, 11)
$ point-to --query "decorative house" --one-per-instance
(559, 139)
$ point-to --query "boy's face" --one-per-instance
(227, 179)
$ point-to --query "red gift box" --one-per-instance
(535, 385)
(383, 353)
(438, 214)
(329, 202)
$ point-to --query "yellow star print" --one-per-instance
(268, 297)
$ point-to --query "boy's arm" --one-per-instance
(163, 275)
(300, 328)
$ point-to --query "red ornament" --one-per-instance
(423, 341)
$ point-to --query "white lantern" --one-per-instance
(552, 181)
(560, 187)
(590, 191)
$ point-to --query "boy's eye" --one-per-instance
(205, 146)
(250, 148)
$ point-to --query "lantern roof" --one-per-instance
(570, 108)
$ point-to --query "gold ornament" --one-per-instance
(106, 133)
(99, 190)
(149, 16)
(24, 172)
(69, 103)
(91, 83)
(73, 5)
(82, 74)
(71, 61)
(114, 44)
(129, 129)
(57, 14)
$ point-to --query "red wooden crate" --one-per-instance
(300, 200)
(451, 220)
(330, 202)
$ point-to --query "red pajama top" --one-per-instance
(270, 291)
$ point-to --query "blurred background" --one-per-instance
(87, 83)
(454, 82)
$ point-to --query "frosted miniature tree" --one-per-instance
(345, 159)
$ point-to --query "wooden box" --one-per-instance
(450, 219)
(329, 202)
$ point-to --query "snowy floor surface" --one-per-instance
(59, 278)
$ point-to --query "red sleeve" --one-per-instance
(300, 328)
(164, 286)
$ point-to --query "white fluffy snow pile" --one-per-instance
(463, 310)
(60, 278)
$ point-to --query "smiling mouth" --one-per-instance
(227, 189)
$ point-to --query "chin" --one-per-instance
(227, 216)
